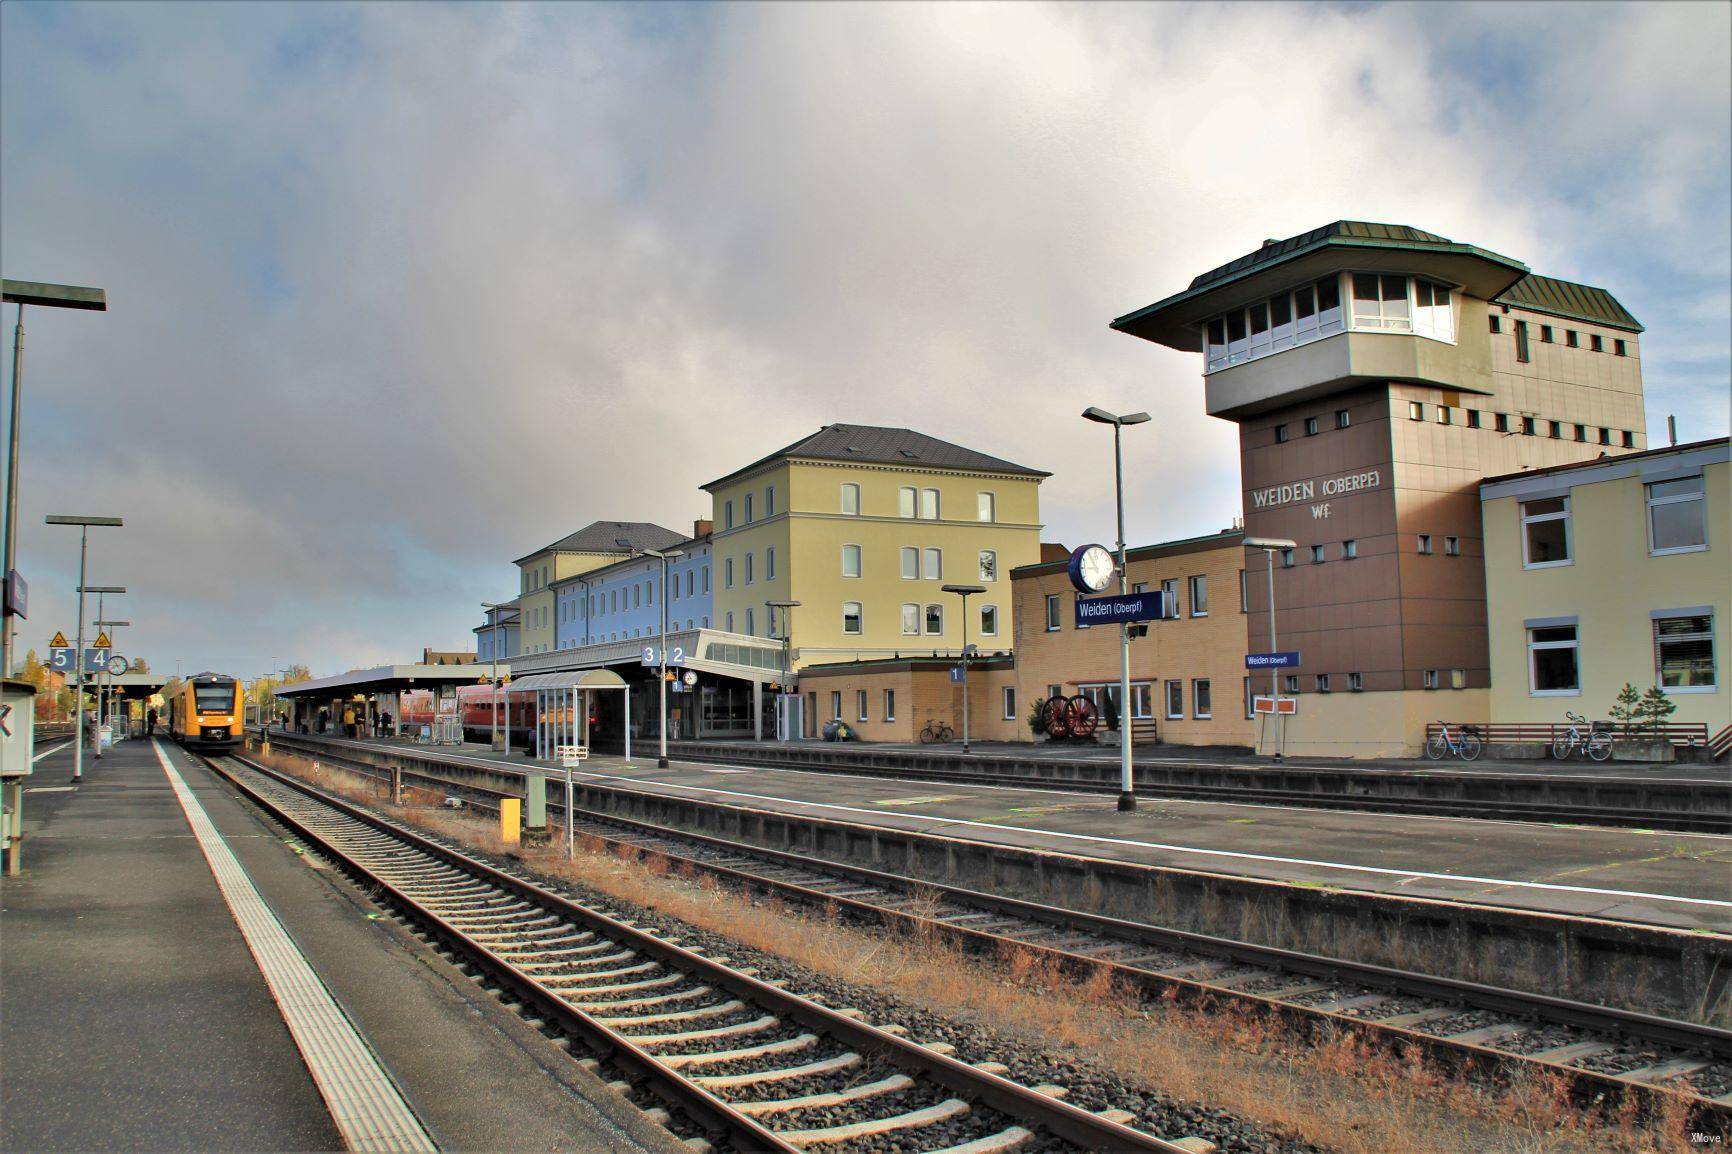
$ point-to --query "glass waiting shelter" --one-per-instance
(562, 706)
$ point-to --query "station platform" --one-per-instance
(1668, 879)
(138, 1016)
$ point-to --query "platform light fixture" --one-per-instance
(664, 556)
(85, 524)
(1127, 795)
(1270, 546)
(55, 296)
(964, 592)
(494, 608)
(787, 608)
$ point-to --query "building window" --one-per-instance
(1431, 679)
(751, 623)
(1175, 699)
(1349, 549)
(769, 564)
(769, 500)
(1355, 682)
(1170, 597)
(1629, 439)
(1250, 700)
(1272, 325)
(748, 509)
(836, 705)
(988, 565)
(1496, 324)
(1545, 532)
(1290, 683)
(989, 620)
(1343, 418)
(1322, 683)
(986, 506)
(1416, 410)
(750, 576)
(1054, 691)
(1677, 516)
(933, 567)
(1552, 653)
(1425, 544)
(910, 620)
(706, 578)
(1316, 554)
(1605, 435)
(1619, 348)
(1443, 417)
(1473, 418)
(1452, 546)
(934, 620)
(1556, 428)
(1527, 426)
(929, 504)
(1432, 314)
(850, 562)
(889, 705)
(729, 627)
(860, 704)
(728, 515)
(1522, 352)
(1571, 339)
(1380, 302)
(1500, 422)
(1684, 652)
(1280, 434)
(1199, 589)
(1581, 433)
(1053, 611)
(1142, 701)
(851, 617)
(728, 573)
(1458, 679)
(1202, 701)
(851, 500)
(1545, 339)
(1286, 558)
(907, 501)
(1596, 343)
(910, 563)
(1244, 591)
(1310, 426)
(1007, 695)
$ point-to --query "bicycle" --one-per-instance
(1596, 743)
(936, 732)
(1467, 747)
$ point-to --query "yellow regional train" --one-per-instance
(206, 711)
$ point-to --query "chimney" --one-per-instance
(1052, 551)
(703, 527)
(1672, 428)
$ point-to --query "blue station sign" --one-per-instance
(1119, 607)
(1287, 659)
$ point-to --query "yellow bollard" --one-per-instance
(510, 819)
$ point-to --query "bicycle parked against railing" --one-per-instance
(1465, 744)
(1595, 741)
(936, 732)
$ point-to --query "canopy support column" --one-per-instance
(626, 693)
(757, 710)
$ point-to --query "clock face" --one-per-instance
(1096, 568)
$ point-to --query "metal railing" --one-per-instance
(1684, 733)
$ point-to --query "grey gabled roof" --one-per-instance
(604, 537)
(878, 445)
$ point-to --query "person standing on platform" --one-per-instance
(349, 721)
(150, 723)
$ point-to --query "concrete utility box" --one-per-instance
(17, 753)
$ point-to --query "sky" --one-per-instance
(398, 293)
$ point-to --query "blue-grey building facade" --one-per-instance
(623, 601)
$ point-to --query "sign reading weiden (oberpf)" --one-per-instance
(1118, 608)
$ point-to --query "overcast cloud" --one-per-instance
(401, 292)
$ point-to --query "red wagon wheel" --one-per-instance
(1084, 718)
(1055, 716)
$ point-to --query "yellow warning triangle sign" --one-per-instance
(60, 642)
(102, 641)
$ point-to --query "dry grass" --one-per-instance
(1339, 1093)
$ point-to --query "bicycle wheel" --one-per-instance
(1469, 747)
(1561, 749)
(1436, 747)
(926, 735)
(945, 733)
(1600, 746)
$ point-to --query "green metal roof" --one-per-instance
(1359, 232)
(1563, 298)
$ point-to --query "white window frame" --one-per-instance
(984, 631)
(860, 705)
(747, 509)
(1537, 518)
(986, 501)
(1196, 713)
(937, 506)
(889, 705)
(727, 514)
(928, 570)
(1533, 671)
(727, 573)
(1713, 657)
(906, 631)
(849, 488)
(926, 620)
(1007, 701)
(910, 553)
(908, 502)
(751, 569)
(1700, 497)
(1170, 598)
(1167, 699)
(1054, 612)
(769, 564)
(1198, 583)
(988, 569)
(769, 501)
(859, 561)
(859, 616)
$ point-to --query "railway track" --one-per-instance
(1606, 1054)
(732, 1061)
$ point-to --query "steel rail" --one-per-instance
(1061, 1119)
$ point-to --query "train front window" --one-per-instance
(215, 698)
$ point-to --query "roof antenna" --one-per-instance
(1672, 428)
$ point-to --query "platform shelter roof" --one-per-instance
(389, 679)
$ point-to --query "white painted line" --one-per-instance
(1184, 849)
(364, 1102)
(46, 752)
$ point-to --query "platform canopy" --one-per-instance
(389, 679)
(129, 686)
(568, 679)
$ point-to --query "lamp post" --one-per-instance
(1127, 796)
(21, 293)
(493, 740)
(964, 592)
(84, 525)
(665, 555)
(106, 675)
(1269, 545)
(787, 608)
